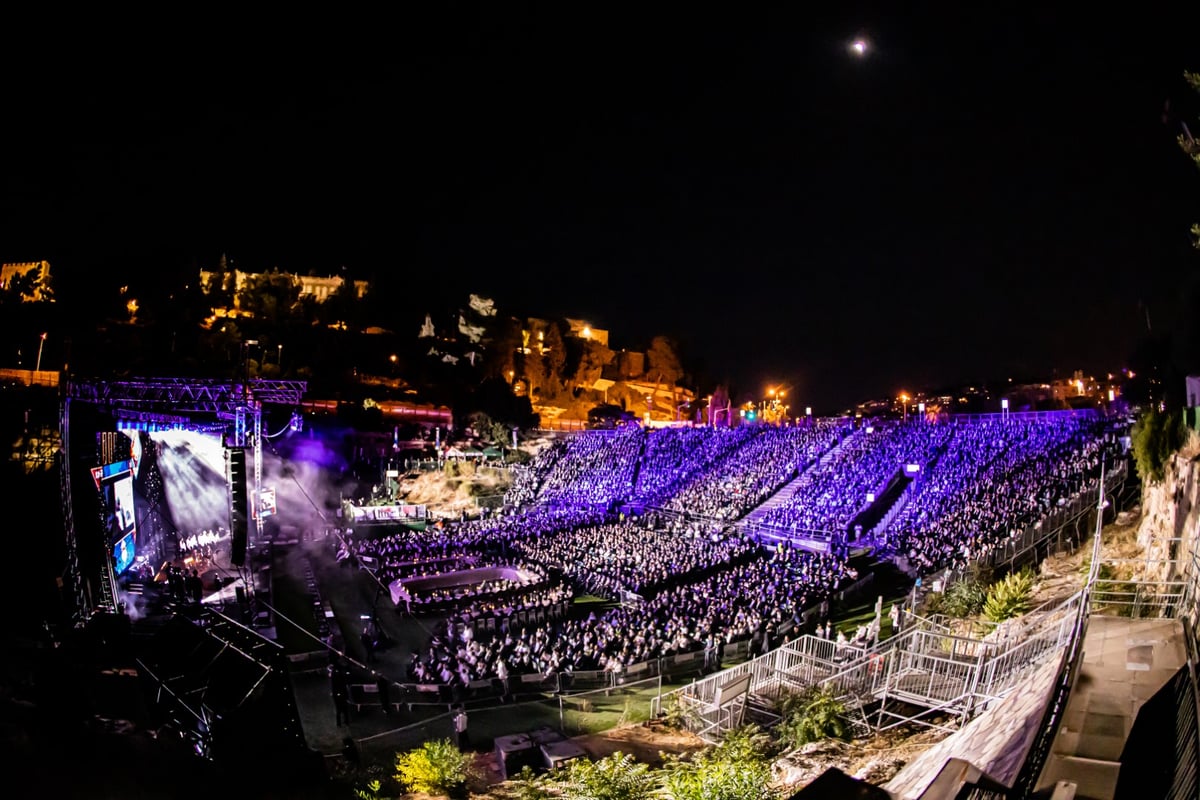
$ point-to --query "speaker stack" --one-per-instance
(239, 502)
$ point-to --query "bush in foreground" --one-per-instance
(811, 716)
(436, 767)
(739, 768)
(1010, 597)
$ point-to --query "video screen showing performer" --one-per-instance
(120, 513)
(123, 553)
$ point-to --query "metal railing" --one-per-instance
(1026, 416)
(926, 666)
(1185, 783)
(1139, 599)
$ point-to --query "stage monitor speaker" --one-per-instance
(239, 521)
(515, 752)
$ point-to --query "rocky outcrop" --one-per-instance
(805, 764)
(1170, 520)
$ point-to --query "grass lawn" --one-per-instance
(849, 620)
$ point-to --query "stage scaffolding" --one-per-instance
(234, 407)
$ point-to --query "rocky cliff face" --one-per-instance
(1171, 519)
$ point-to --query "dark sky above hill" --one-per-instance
(985, 193)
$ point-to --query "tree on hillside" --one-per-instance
(555, 354)
(1191, 146)
(1166, 355)
(588, 365)
(500, 358)
(343, 305)
(494, 399)
(23, 287)
(273, 298)
(220, 347)
(533, 367)
(222, 286)
(664, 365)
(1156, 435)
(719, 407)
(1188, 346)
(665, 368)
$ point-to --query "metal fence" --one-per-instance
(602, 709)
(1139, 599)
(1185, 782)
(491, 692)
(926, 667)
(570, 714)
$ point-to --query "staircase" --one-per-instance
(927, 670)
(753, 520)
(781, 497)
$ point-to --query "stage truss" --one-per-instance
(233, 406)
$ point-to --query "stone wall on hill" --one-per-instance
(1171, 520)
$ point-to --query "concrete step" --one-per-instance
(1094, 779)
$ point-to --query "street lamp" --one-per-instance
(41, 344)
(904, 401)
(279, 355)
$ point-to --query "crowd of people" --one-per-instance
(627, 556)
(594, 470)
(752, 473)
(830, 495)
(754, 601)
(672, 456)
(477, 629)
(459, 595)
(997, 481)
(686, 579)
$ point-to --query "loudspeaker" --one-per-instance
(239, 502)
(515, 752)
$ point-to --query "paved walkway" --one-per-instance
(1125, 662)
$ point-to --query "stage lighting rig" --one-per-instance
(159, 402)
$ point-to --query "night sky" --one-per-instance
(977, 197)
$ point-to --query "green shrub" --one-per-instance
(745, 744)
(436, 767)
(739, 768)
(964, 598)
(371, 792)
(934, 603)
(679, 715)
(1009, 598)
(1156, 435)
(811, 716)
(617, 777)
(722, 780)
(530, 786)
